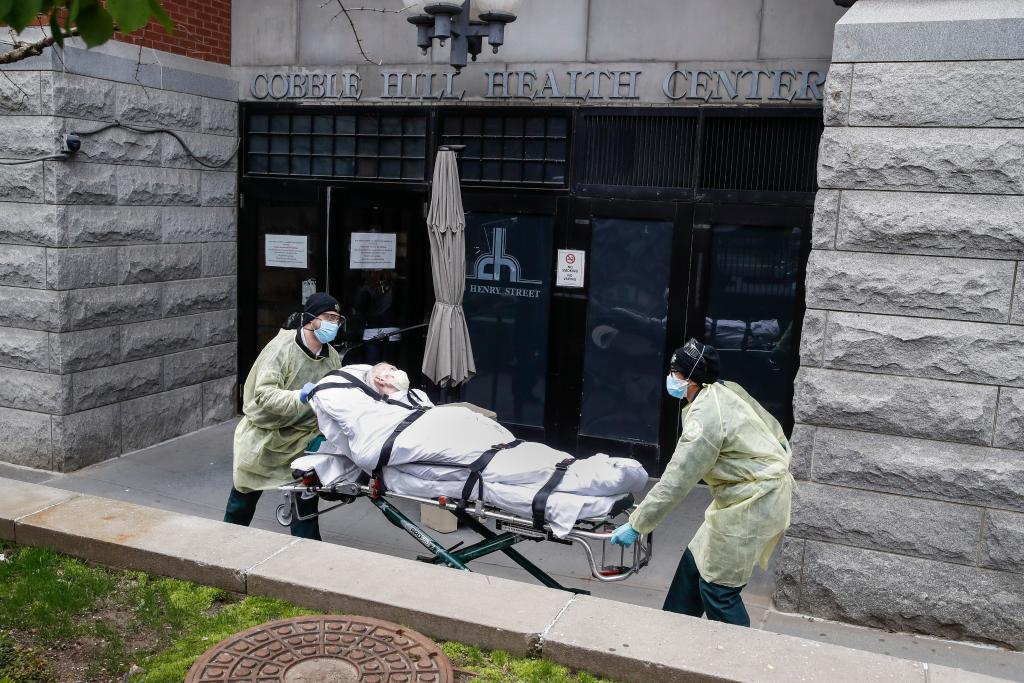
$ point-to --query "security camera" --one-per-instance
(70, 143)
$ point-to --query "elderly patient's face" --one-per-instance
(380, 376)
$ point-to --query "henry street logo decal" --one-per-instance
(498, 266)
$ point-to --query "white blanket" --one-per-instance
(431, 456)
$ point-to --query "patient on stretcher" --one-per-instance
(373, 423)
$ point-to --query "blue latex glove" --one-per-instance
(304, 391)
(625, 535)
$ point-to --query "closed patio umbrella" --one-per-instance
(448, 357)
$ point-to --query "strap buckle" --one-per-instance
(564, 465)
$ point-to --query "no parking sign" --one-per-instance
(569, 272)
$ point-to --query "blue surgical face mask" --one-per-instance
(676, 388)
(326, 332)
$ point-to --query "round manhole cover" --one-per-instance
(324, 650)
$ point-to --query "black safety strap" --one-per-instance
(477, 467)
(413, 404)
(331, 385)
(540, 501)
(358, 383)
(389, 444)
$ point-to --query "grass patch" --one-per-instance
(501, 667)
(63, 619)
(42, 592)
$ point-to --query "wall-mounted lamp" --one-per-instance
(465, 23)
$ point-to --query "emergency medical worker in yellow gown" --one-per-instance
(739, 449)
(277, 424)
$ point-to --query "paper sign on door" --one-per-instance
(286, 251)
(372, 251)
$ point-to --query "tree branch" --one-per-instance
(359, 42)
(23, 50)
(379, 10)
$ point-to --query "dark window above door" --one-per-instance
(527, 148)
(686, 152)
(381, 145)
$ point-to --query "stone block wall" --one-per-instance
(117, 267)
(909, 447)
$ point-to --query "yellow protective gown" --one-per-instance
(276, 426)
(740, 450)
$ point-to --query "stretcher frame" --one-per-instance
(514, 529)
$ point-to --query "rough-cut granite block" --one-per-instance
(921, 347)
(890, 523)
(980, 226)
(904, 406)
(940, 470)
(922, 160)
(930, 287)
(898, 593)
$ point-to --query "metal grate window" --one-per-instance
(638, 150)
(365, 145)
(765, 153)
(510, 148)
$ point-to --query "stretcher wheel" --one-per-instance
(284, 514)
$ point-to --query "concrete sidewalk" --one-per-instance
(192, 475)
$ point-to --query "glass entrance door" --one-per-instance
(281, 256)
(509, 257)
(378, 267)
(747, 295)
(615, 333)
(508, 287)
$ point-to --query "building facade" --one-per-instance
(633, 174)
(117, 266)
(666, 147)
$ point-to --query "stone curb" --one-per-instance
(624, 642)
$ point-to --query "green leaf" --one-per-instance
(23, 13)
(130, 15)
(160, 14)
(95, 25)
(55, 31)
(75, 7)
(5, 7)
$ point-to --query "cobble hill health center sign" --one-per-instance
(692, 84)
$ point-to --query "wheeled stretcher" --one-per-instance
(510, 529)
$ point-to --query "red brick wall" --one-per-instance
(202, 30)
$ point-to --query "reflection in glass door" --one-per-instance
(754, 309)
(627, 318)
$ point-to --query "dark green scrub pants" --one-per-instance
(692, 595)
(242, 506)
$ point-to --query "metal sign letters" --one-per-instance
(580, 85)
